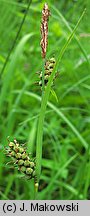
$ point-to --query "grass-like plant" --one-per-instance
(28, 166)
(45, 95)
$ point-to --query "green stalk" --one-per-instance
(44, 104)
(43, 76)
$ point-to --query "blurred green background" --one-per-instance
(66, 158)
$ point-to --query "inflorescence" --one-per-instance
(48, 68)
(21, 158)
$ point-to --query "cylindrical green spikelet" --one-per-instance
(20, 157)
(49, 66)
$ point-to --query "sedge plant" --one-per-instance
(26, 164)
(46, 93)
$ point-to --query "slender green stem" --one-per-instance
(44, 104)
(43, 76)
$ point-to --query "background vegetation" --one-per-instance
(66, 154)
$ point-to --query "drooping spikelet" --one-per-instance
(44, 29)
(21, 158)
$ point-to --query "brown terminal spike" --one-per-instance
(44, 29)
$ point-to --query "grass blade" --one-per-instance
(11, 67)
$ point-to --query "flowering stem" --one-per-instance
(44, 104)
(43, 76)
